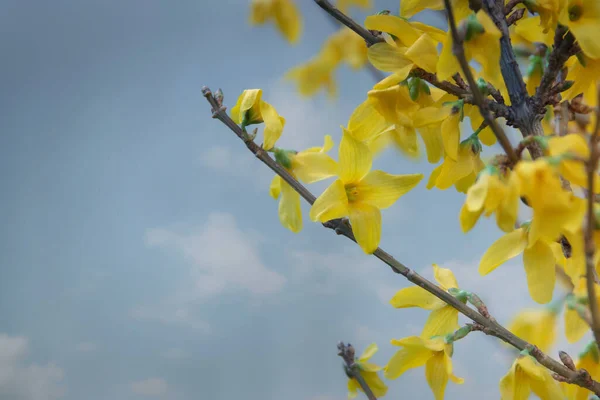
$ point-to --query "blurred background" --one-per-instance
(140, 253)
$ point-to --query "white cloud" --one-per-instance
(224, 257)
(26, 381)
(85, 347)
(149, 387)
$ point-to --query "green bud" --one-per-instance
(461, 295)
(474, 142)
(425, 87)
(525, 225)
(384, 12)
(474, 28)
(283, 157)
(575, 12)
(483, 86)
(413, 88)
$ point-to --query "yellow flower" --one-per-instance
(585, 78)
(397, 108)
(575, 326)
(572, 170)
(555, 210)
(409, 46)
(345, 45)
(344, 5)
(527, 32)
(492, 192)
(433, 353)
(461, 171)
(360, 193)
(368, 371)
(483, 47)
(526, 376)
(538, 327)
(408, 8)
(366, 123)
(313, 75)
(548, 12)
(582, 17)
(443, 318)
(251, 109)
(284, 12)
(538, 259)
(310, 165)
(589, 360)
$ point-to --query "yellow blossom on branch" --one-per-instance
(434, 354)
(284, 13)
(538, 327)
(251, 109)
(310, 165)
(582, 17)
(443, 318)
(360, 193)
(369, 372)
(526, 376)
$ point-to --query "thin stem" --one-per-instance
(590, 245)
(491, 327)
(349, 22)
(459, 52)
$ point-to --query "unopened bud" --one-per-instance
(567, 360)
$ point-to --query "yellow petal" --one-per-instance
(396, 26)
(451, 135)
(368, 353)
(423, 53)
(408, 8)
(432, 138)
(331, 204)
(468, 219)
(447, 64)
(353, 388)
(312, 167)
(381, 189)
(548, 388)
(288, 20)
(273, 125)
(366, 226)
(541, 274)
(355, 159)
(366, 123)
(393, 79)
(415, 296)
(275, 187)
(508, 246)
(388, 58)
(377, 386)
(405, 359)
(441, 322)
(434, 176)
(244, 103)
(444, 277)
(575, 327)
(585, 31)
(515, 384)
(531, 368)
(437, 375)
(476, 195)
(290, 213)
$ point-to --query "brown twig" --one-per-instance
(510, 5)
(563, 49)
(514, 17)
(459, 52)
(342, 227)
(349, 22)
(590, 227)
(347, 354)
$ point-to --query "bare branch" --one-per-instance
(349, 22)
(489, 325)
(590, 227)
(459, 52)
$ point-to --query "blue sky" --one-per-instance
(140, 254)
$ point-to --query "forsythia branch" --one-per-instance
(459, 52)
(488, 324)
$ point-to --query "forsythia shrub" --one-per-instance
(533, 63)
